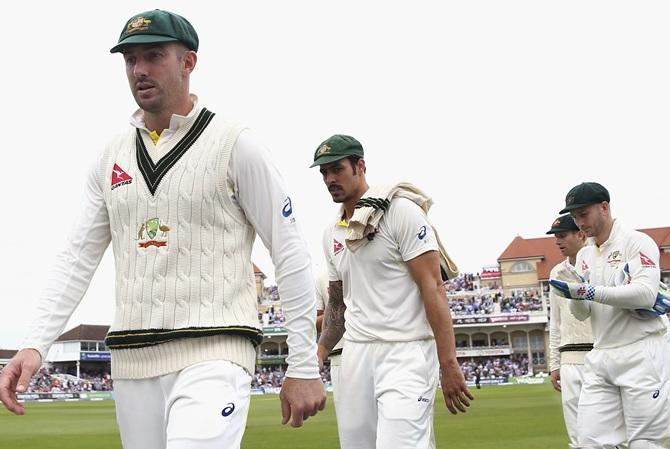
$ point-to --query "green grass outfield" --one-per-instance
(508, 417)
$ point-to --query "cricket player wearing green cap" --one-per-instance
(386, 288)
(181, 196)
(626, 385)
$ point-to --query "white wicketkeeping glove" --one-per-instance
(579, 289)
(574, 290)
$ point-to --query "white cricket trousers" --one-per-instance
(625, 396)
(335, 364)
(385, 395)
(203, 406)
(572, 378)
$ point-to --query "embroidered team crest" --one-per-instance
(152, 233)
(323, 149)
(614, 257)
(120, 177)
(138, 24)
(646, 261)
(337, 247)
(569, 200)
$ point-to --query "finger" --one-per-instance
(7, 389)
(464, 400)
(322, 405)
(450, 407)
(457, 403)
(285, 411)
(297, 417)
(24, 380)
(467, 392)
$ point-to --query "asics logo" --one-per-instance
(422, 399)
(656, 394)
(228, 409)
(287, 210)
(422, 233)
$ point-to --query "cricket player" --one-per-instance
(387, 288)
(180, 196)
(624, 399)
(569, 339)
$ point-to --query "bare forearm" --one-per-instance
(333, 323)
(439, 318)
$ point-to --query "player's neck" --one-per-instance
(350, 205)
(604, 235)
(159, 121)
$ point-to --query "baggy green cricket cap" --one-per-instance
(564, 223)
(585, 194)
(337, 147)
(156, 27)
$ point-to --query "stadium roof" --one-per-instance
(7, 353)
(543, 248)
(546, 250)
(85, 332)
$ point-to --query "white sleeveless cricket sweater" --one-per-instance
(185, 291)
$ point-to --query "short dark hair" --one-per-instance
(353, 160)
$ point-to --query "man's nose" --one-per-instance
(139, 69)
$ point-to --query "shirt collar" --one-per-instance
(176, 121)
(613, 234)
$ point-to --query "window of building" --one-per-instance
(536, 341)
(519, 342)
(522, 267)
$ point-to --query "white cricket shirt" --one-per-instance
(383, 301)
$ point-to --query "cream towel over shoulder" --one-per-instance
(370, 210)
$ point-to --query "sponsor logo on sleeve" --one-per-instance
(646, 261)
(337, 247)
(422, 232)
(287, 210)
(585, 266)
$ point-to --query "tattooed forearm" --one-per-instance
(333, 324)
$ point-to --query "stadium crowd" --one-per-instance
(495, 368)
(273, 377)
(465, 298)
(47, 380)
(495, 303)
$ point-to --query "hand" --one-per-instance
(300, 399)
(573, 290)
(556, 379)
(454, 388)
(15, 378)
(321, 354)
(662, 304)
